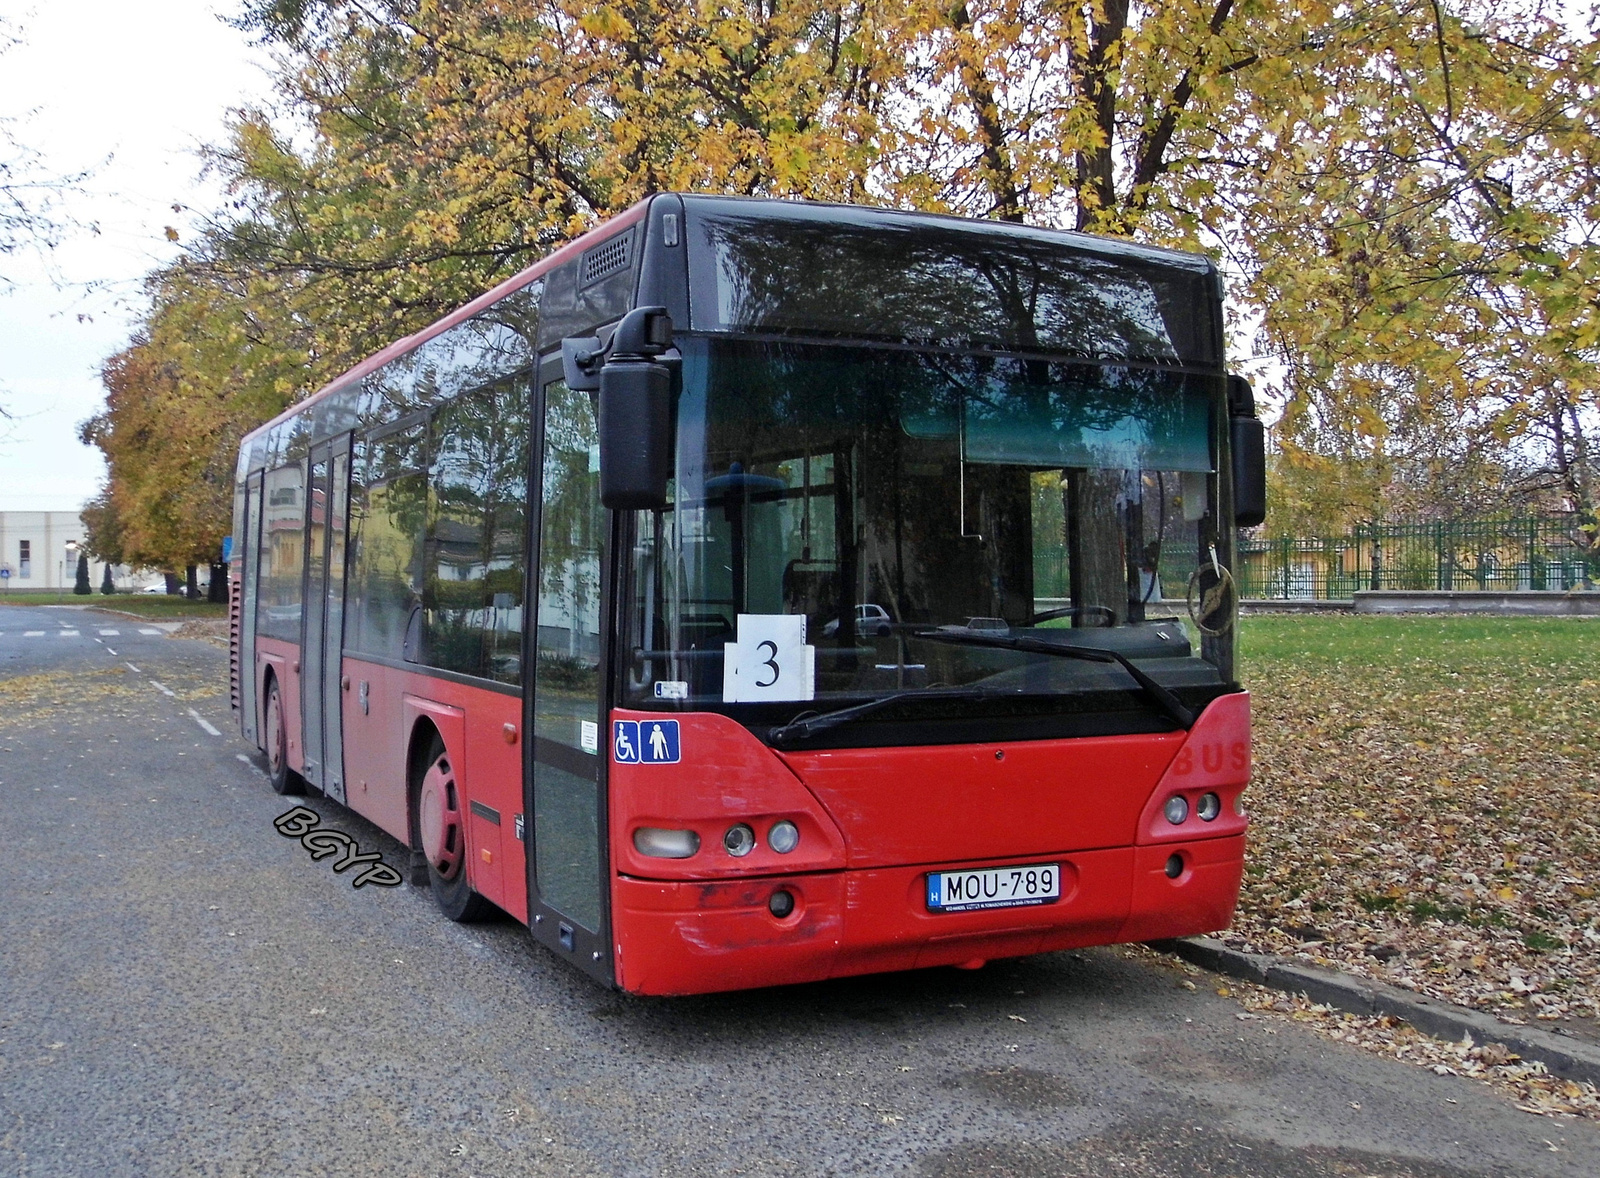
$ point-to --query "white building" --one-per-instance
(39, 550)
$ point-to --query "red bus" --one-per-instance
(756, 592)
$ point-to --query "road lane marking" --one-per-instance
(113, 653)
(68, 633)
(204, 723)
(33, 633)
(157, 633)
(164, 689)
(133, 668)
(111, 633)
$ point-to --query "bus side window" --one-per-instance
(477, 547)
(282, 553)
(389, 510)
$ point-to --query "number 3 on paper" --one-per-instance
(770, 660)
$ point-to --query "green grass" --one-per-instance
(146, 605)
(164, 607)
(1463, 641)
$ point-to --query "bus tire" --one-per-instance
(437, 800)
(283, 779)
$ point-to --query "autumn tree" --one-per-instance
(1402, 194)
(1436, 309)
(101, 523)
(169, 437)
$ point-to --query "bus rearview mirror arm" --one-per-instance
(1248, 438)
(644, 331)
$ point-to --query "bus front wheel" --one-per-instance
(284, 779)
(442, 825)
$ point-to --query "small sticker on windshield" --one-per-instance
(589, 736)
(671, 689)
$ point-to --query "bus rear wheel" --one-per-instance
(442, 826)
(284, 779)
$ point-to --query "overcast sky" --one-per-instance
(129, 88)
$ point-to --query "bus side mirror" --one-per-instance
(636, 414)
(1249, 444)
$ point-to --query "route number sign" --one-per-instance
(770, 660)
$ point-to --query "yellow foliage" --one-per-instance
(1403, 206)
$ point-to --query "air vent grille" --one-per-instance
(607, 258)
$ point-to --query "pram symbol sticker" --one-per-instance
(645, 742)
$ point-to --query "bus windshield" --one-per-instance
(841, 517)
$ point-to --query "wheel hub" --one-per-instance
(274, 732)
(440, 818)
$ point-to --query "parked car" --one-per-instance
(871, 620)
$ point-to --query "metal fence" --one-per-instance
(1539, 552)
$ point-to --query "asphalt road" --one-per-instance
(184, 991)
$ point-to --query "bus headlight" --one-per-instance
(665, 844)
(783, 837)
(1210, 806)
(739, 841)
(1177, 809)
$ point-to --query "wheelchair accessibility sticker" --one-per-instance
(645, 742)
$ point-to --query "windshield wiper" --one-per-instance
(815, 722)
(1170, 705)
(809, 725)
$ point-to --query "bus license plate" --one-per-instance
(994, 887)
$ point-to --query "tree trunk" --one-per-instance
(219, 584)
(174, 586)
(191, 586)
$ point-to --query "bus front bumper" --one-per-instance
(695, 937)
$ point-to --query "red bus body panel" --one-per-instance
(944, 803)
(283, 660)
(726, 776)
(884, 818)
(872, 822)
(472, 722)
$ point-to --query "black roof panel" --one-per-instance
(851, 272)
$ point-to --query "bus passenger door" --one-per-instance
(326, 499)
(251, 547)
(314, 590)
(567, 861)
(333, 621)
